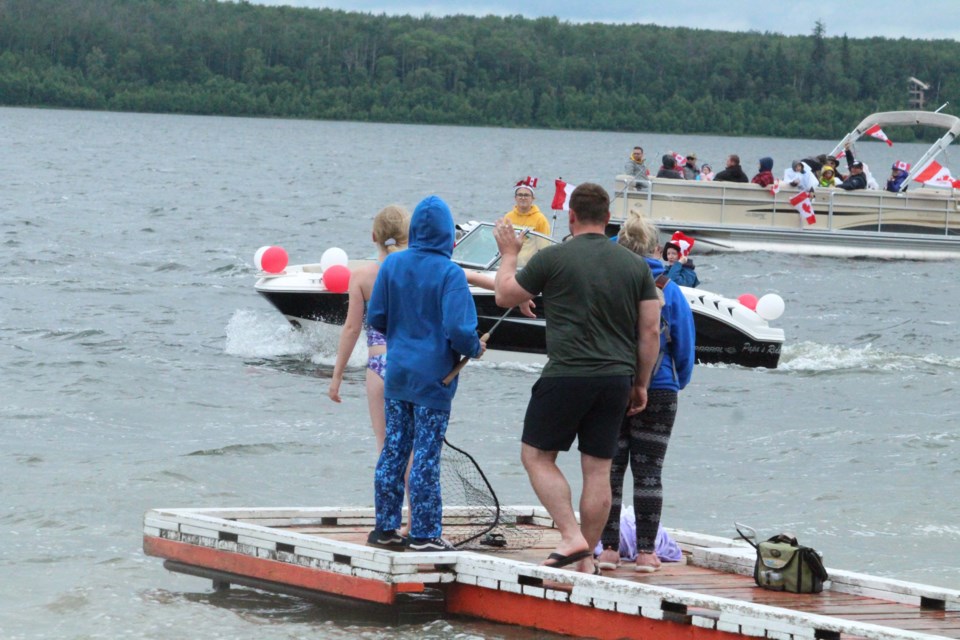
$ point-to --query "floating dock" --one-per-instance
(319, 553)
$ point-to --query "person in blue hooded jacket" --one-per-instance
(644, 437)
(421, 301)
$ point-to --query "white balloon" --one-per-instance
(332, 256)
(770, 306)
(258, 257)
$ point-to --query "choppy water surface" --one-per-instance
(141, 370)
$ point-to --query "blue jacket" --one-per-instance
(422, 303)
(679, 354)
(893, 184)
(683, 274)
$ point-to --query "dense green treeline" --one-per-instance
(209, 57)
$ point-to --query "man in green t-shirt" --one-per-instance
(603, 337)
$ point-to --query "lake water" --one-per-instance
(140, 369)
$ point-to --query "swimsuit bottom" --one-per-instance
(378, 364)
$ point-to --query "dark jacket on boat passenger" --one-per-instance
(732, 174)
(669, 169)
(854, 181)
(895, 182)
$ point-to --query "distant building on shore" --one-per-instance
(916, 89)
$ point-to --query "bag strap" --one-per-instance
(785, 538)
(815, 563)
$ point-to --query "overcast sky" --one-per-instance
(886, 18)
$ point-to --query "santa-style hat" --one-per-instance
(682, 243)
(527, 183)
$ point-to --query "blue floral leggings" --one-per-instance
(411, 426)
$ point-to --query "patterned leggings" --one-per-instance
(411, 426)
(643, 443)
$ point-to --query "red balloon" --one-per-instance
(336, 278)
(271, 259)
(748, 300)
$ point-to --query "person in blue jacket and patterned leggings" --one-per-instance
(644, 437)
(421, 301)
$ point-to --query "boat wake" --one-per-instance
(252, 334)
(814, 358)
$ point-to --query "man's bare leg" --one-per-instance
(553, 490)
(595, 502)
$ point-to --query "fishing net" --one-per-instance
(477, 521)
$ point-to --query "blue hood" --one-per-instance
(432, 228)
(766, 164)
(656, 267)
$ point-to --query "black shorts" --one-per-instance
(588, 409)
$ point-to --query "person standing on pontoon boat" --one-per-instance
(690, 169)
(636, 168)
(897, 175)
(828, 177)
(669, 168)
(421, 301)
(603, 337)
(856, 180)
(525, 214)
(733, 172)
(764, 177)
(800, 176)
(644, 437)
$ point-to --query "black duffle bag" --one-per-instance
(784, 565)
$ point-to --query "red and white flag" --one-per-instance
(528, 182)
(801, 202)
(683, 241)
(681, 160)
(936, 175)
(774, 188)
(903, 166)
(878, 133)
(561, 197)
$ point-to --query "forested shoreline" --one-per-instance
(209, 57)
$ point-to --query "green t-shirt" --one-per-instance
(592, 289)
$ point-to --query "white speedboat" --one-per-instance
(727, 331)
(918, 223)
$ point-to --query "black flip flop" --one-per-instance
(561, 560)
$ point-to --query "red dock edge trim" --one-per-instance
(281, 572)
(567, 618)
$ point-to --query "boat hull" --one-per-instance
(728, 216)
(721, 339)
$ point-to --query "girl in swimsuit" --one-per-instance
(390, 229)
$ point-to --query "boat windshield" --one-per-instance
(478, 248)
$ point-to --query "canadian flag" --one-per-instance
(561, 197)
(878, 133)
(801, 202)
(528, 182)
(681, 160)
(937, 175)
(901, 165)
(774, 188)
(684, 242)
